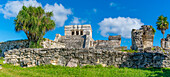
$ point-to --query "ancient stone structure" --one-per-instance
(82, 57)
(52, 44)
(18, 44)
(77, 48)
(10, 45)
(142, 38)
(80, 36)
(165, 43)
(78, 30)
(76, 36)
(111, 43)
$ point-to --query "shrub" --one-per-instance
(35, 45)
(130, 51)
(0, 51)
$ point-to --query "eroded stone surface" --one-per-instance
(74, 57)
(142, 38)
(72, 63)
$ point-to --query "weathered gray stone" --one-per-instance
(142, 38)
(75, 57)
(72, 63)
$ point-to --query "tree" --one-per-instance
(162, 24)
(35, 22)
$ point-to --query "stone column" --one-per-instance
(75, 32)
(79, 32)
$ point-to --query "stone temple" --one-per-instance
(80, 36)
(76, 36)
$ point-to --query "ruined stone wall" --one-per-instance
(74, 41)
(52, 44)
(111, 43)
(9, 45)
(142, 38)
(104, 44)
(137, 42)
(165, 43)
(82, 57)
(18, 44)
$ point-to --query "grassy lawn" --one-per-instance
(87, 71)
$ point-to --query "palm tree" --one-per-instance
(162, 24)
(35, 22)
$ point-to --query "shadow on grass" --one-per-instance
(158, 72)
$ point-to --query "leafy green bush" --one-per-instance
(130, 51)
(35, 44)
(153, 30)
(0, 51)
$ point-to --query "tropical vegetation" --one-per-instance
(35, 22)
(162, 24)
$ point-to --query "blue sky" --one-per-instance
(107, 17)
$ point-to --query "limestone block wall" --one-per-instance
(104, 44)
(137, 42)
(165, 43)
(52, 44)
(148, 36)
(73, 41)
(9, 45)
(142, 38)
(18, 44)
(82, 57)
(114, 41)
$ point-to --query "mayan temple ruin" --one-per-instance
(80, 36)
(142, 38)
(77, 47)
(76, 36)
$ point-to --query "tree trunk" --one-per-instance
(163, 32)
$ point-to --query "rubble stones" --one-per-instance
(74, 57)
(72, 63)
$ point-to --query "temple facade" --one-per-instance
(80, 36)
(76, 36)
(78, 30)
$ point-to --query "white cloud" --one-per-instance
(112, 4)
(120, 25)
(60, 13)
(12, 8)
(77, 21)
(94, 10)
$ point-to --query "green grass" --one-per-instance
(86, 71)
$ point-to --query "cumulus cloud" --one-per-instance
(12, 8)
(120, 25)
(60, 13)
(77, 21)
